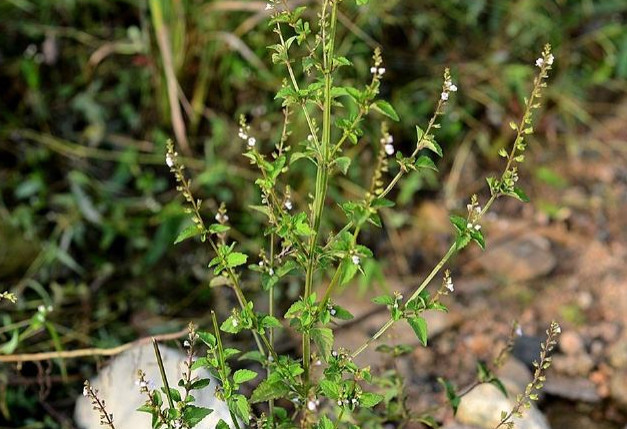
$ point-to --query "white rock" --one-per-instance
(483, 405)
(116, 384)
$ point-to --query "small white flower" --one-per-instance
(310, 138)
(478, 209)
(453, 88)
(339, 402)
(288, 204)
(558, 329)
(355, 259)
(41, 309)
(334, 353)
(477, 227)
(540, 62)
(169, 161)
(373, 70)
(85, 391)
(469, 207)
(400, 297)
(177, 424)
(354, 401)
(390, 139)
(333, 312)
(519, 331)
(444, 96)
(251, 141)
(550, 59)
(242, 134)
(269, 6)
(469, 225)
(186, 344)
(235, 323)
(389, 149)
(270, 358)
(381, 71)
(311, 405)
(271, 271)
(449, 284)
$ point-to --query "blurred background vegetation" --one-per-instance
(91, 91)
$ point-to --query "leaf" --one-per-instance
(189, 232)
(330, 389)
(369, 400)
(222, 425)
(361, 2)
(267, 390)
(477, 237)
(200, 384)
(384, 300)
(192, 415)
(347, 271)
(451, 395)
(343, 163)
(323, 338)
(325, 423)
(243, 375)
(386, 109)
(419, 325)
(207, 338)
(459, 222)
(342, 313)
(519, 194)
(217, 228)
(239, 405)
(426, 162)
(236, 259)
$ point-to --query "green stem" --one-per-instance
(322, 176)
(163, 375)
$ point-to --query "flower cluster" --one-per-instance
(448, 86)
(548, 60)
(447, 282)
(378, 71)
(474, 214)
(386, 142)
(244, 133)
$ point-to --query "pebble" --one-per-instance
(574, 389)
(573, 365)
(617, 354)
(519, 259)
(618, 388)
(515, 376)
(571, 343)
(116, 385)
(483, 405)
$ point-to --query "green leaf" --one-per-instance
(323, 338)
(426, 162)
(419, 325)
(200, 384)
(386, 109)
(236, 259)
(207, 338)
(369, 400)
(342, 313)
(459, 222)
(343, 163)
(192, 415)
(451, 395)
(243, 375)
(218, 228)
(239, 405)
(325, 423)
(189, 232)
(347, 271)
(330, 389)
(381, 202)
(519, 194)
(477, 237)
(384, 300)
(361, 2)
(222, 425)
(267, 390)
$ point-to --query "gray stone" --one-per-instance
(573, 365)
(116, 384)
(618, 389)
(574, 389)
(519, 259)
(617, 354)
(482, 407)
(515, 376)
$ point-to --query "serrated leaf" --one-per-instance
(323, 339)
(343, 163)
(330, 389)
(342, 313)
(520, 195)
(369, 400)
(384, 300)
(431, 144)
(235, 259)
(239, 405)
(459, 223)
(218, 228)
(200, 384)
(189, 232)
(243, 375)
(193, 415)
(426, 162)
(267, 390)
(347, 271)
(419, 325)
(386, 109)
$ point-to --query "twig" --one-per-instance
(72, 354)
